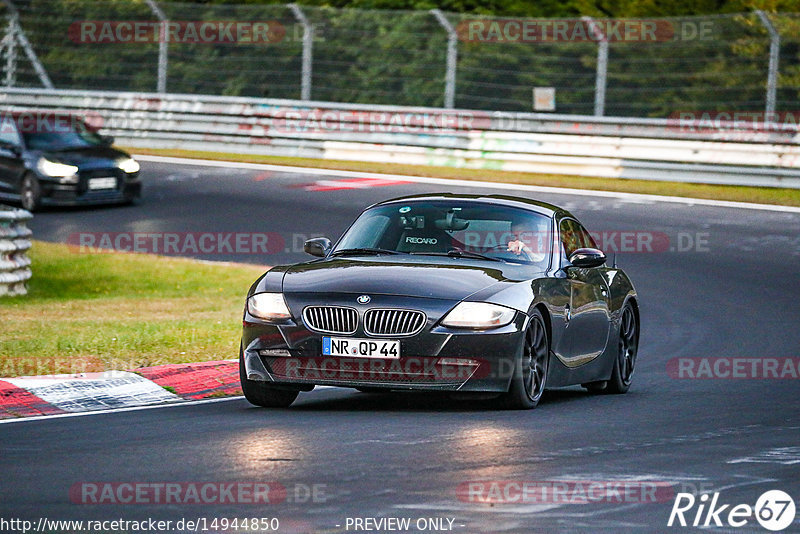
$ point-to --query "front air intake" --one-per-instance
(331, 319)
(391, 322)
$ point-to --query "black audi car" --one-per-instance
(475, 295)
(58, 160)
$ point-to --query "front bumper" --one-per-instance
(435, 359)
(54, 193)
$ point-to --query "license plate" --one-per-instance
(102, 183)
(360, 348)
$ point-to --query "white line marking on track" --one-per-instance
(134, 408)
(630, 197)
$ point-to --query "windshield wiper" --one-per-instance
(459, 253)
(365, 250)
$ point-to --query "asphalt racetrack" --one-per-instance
(715, 282)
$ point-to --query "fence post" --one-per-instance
(452, 58)
(9, 47)
(19, 35)
(308, 50)
(163, 46)
(602, 67)
(772, 73)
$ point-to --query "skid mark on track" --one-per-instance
(780, 455)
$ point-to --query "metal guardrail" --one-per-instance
(738, 153)
(14, 243)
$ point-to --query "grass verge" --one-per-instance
(96, 312)
(760, 195)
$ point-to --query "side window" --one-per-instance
(570, 236)
(8, 131)
(587, 241)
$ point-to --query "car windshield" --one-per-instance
(58, 134)
(457, 229)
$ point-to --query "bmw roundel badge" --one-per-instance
(363, 299)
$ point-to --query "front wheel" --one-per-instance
(628, 347)
(530, 369)
(264, 394)
(30, 193)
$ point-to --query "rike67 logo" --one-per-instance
(774, 510)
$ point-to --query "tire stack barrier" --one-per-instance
(15, 264)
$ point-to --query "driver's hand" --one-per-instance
(516, 246)
(519, 248)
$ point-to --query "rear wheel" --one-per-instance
(628, 347)
(530, 370)
(30, 193)
(263, 393)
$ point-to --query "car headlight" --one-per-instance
(128, 165)
(268, 306)
(478, 315)
(57, 170)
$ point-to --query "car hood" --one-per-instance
(96, 157)
(451, 279)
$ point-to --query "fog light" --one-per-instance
(458, 361)
(275, 353)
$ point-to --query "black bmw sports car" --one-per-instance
(475, 295)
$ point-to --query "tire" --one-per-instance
(30, 193)
(263, 393)
(530, 368)
(627, 349)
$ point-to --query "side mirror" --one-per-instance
(319, 246)
(107, 139)
(587, 257)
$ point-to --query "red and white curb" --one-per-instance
(62, 394)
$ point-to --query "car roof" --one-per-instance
(538, 206)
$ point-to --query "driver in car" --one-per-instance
(527, 241)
